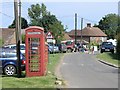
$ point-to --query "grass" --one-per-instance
(47, 81)
(110, 58)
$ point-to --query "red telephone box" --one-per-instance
(36, 54)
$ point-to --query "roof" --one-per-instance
(34, 27)
(89, 31)
(6, 34)
(66, 36)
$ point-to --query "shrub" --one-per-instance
(118, 44)
(1, 42)
(23, 38)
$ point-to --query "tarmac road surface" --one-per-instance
(82, 70)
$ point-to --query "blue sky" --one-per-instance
(90, 11)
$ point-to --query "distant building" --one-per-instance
(114, 41)
(8, 35)
(89, 34)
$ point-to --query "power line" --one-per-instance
(24, 6)
(65, 16)
(88, 20)
(91, 20)
(79, 17)
(6, 15)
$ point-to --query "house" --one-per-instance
(114, 41)
(8, 35)
(89, 34)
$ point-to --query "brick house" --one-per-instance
(89, 34)
(8, 35)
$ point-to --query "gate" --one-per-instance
(36, 62)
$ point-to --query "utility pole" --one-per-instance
(17, 38)
(81, 28)
(75, 28)
(16, 19)
(20, 21)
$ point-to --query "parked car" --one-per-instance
(107, 47)
(62, 47)
(70, 46)
(13, 46)
(53, 48)
(8, 61)
(34, 47)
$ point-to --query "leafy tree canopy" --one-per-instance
(39, 16)
(58, 30)
(24, 23)
(36, 13)
(48, 20)
(109, 24)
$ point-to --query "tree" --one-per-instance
(39, 16)
(24, 23)
(118, 44)
(109, 25)
(48, 20)
(23, 38)
(57, 30)
(118, 38)
(36, 12)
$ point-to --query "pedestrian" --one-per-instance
(93, 50)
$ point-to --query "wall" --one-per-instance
(98, 39)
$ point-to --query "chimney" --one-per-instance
(88, 24)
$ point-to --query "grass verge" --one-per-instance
(47, 81)
(110, 58)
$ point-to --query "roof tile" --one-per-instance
(88, 31)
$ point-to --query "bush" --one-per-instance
(1, 42)
(23, 38)
(118, 44)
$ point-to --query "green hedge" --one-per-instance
(118, 44)
(1, 42)
(23, 38)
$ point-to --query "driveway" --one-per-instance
(82, 70)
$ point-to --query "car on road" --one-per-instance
(70, 45)
(107, 47)
(34, 47)
(62, 47)
(8, 61)
(53, 48)
(13, 46)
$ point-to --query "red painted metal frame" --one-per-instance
(32, 32)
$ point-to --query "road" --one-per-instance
(82, 70)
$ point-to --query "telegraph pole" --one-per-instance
(16, 19)
(75, 28)
(17, 38)
(81, 28)
(20, 21)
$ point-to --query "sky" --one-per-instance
(91, 11)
